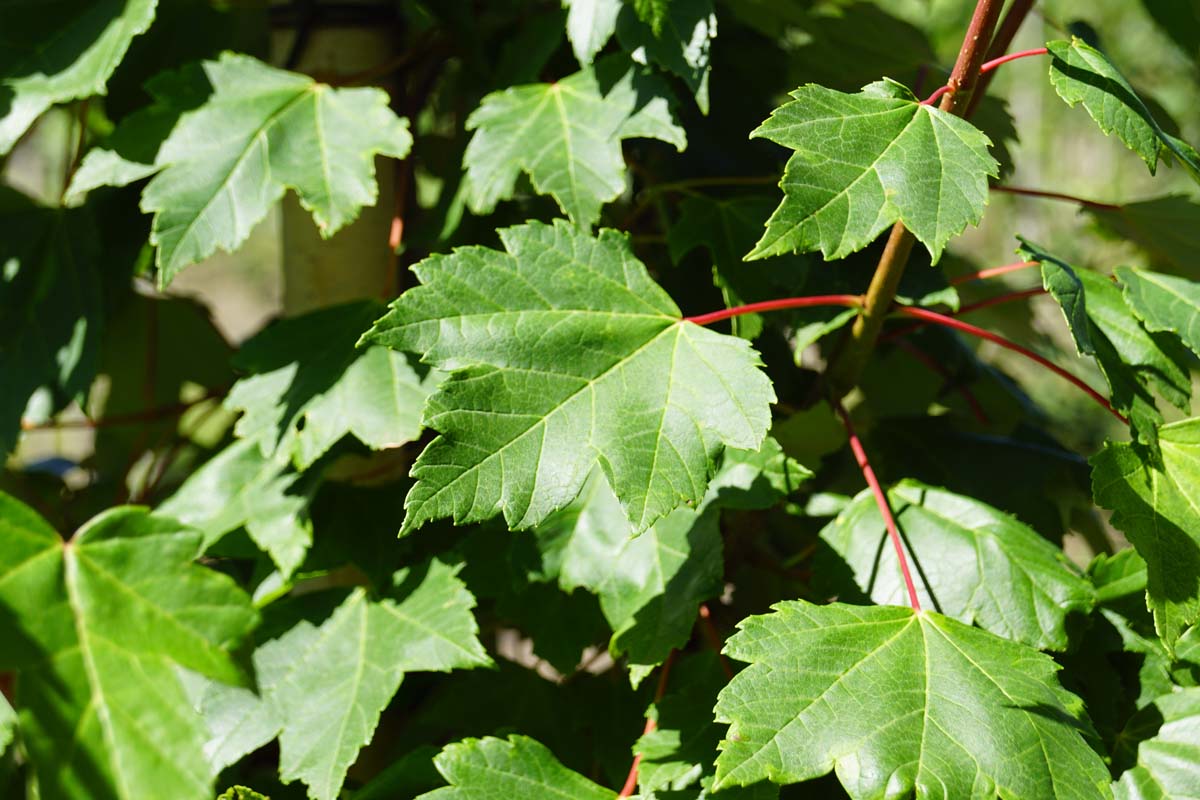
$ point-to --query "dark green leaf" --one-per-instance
(1167, 228)
(1164, 303)
(678, 37)
(1168, 765)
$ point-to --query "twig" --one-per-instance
(1056, 196)
(885, 511)
(992, 272)
(1005, 33)
(847, 300)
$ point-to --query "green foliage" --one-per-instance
(954, 709)
(908, 162)
(538, 447)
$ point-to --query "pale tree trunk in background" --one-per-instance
(356, 262)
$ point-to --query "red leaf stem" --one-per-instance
(1008, 297)
(959, 325)
(848, 300)
(992, 272)
(885, 511)
(631, 780)
(933, 366)
(985, 68)
(1069, 198)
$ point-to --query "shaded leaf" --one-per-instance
(867, 160)
(954, 711)
(1167, 228)
(95, 628)
(309, 387)
(567, 356)
(677, 36)
(1154, 502)
(52, 52)
(566, 136)
(972, 562)
(327, 685)
(1168, 765)
(51, 309)
(1082, 74)
(483, 769)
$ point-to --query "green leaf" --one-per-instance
(53, 52)
(1082, 74)
(95, 628)
(239, 488)
(566, 136)
(236, 719)
(51, 309)
(865, 161)
(1133, 359)
(677, 38)
(1154, 502)
(590, 24)
(263, 130)
(973, 563)
(1168, 765)
(309, 387)
(567, 355)
(8, 724)
(1164, 303)
(241, 793)
(1166, 228)
(499, 769)
(328, 685)
(951, 711)
(652, 12)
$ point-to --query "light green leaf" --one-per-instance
(1132, 359)
(1166, 228)
(52, 51)
(51, 307)
(864, 161)
(1164, 303)
(566, 136)
(239, 488)
(1155, 503)
(1082, 74)
(500, 769)
(328, 685)
(262, 131)
(309, 387)
(897, 703)
(8, 724)
(567, 355)
(973, 562)
(241, 793)
(677, 38)
(590, 24)
(1168, 765)
(236, 719)
(95, 628)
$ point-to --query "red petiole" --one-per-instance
(847, 300)
(860, 455)
(987, 67)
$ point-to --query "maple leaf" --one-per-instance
(96, 628)
(1168, 764)
(567, 355)
(53, 52)
(501, 769)
(865, 161)
(952, 711)
(677, 37)
(590, 24)
(566, 136)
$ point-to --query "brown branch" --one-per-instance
(1000, 43)
(856, 349)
